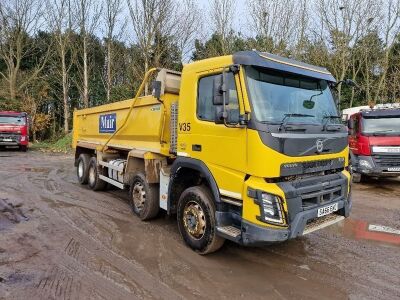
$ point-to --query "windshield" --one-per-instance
(381, 125)
(276, 95)
(12, 120)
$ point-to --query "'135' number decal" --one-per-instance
(184, 126)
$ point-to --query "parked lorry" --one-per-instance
(374, 139)
(247, 147)
(14, 129)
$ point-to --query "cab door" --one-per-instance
(221, 148)
(354, 133)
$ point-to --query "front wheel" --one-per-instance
(196, 220)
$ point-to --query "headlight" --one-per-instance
(365, 164)
(270, 207)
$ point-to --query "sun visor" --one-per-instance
(275, 62)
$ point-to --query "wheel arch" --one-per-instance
(187, 172)
(82, 150)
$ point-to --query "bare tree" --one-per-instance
(87, 13)
(283, 21)
(19, 21)
(390, 28)
(344, 23)
(114, 29)
(188, 26)
(222, 12)
(149, 19)
(59, 19)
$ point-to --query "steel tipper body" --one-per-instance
(250, 148)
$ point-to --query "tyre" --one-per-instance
(82, 169)
(196, 220)
(23, 148)
(144, 197)
(94, 182)
(359, 178)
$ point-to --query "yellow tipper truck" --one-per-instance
(247, 147)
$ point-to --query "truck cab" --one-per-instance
(14, 129)
(247, 147)
(374, 139)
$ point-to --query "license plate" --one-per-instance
(326, 210)
(396, 169)
(7, 140)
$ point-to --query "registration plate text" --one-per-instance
(326, 210)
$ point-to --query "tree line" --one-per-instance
(58, 55)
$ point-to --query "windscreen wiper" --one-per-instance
(288, 116)
(329, 117)
(382, 131)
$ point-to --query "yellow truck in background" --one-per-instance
(247, 147)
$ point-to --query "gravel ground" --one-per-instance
(60, 240)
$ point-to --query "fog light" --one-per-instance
(270, 209)
(365, 164)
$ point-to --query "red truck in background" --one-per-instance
(374, 140)
(14, 129)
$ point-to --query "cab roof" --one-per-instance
(380, 113)
(275, 62)
(12, 113)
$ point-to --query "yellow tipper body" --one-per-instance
(147, 127)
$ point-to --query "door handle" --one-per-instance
(196, 147)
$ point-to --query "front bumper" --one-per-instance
(303, 198)
(257, 235)
(377, 168)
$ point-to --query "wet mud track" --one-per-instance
(60, 240)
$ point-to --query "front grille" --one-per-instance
(308, 193)
(7, 136)
(387, 161)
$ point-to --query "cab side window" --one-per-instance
(205, 107)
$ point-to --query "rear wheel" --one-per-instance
(94, 182)
(144, 197)
(196, 220)
(82, 169)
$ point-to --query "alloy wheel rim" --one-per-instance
(80, 169)
(139, 196)
(92, 176)
(194, 220)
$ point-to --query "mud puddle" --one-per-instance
(362, 230)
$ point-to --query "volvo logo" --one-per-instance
(320, 145)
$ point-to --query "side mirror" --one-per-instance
(232, 116)
(218, 90)
(156, 89)
(350, 82)
(219, 114)
(309, 104)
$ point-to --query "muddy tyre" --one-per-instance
(94, 182)
(196, 220)
(144, 197)
(82, 168)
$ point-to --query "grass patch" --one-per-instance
(62, 145)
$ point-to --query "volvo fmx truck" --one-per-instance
(247, 147)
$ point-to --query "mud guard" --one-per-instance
(197, 165)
